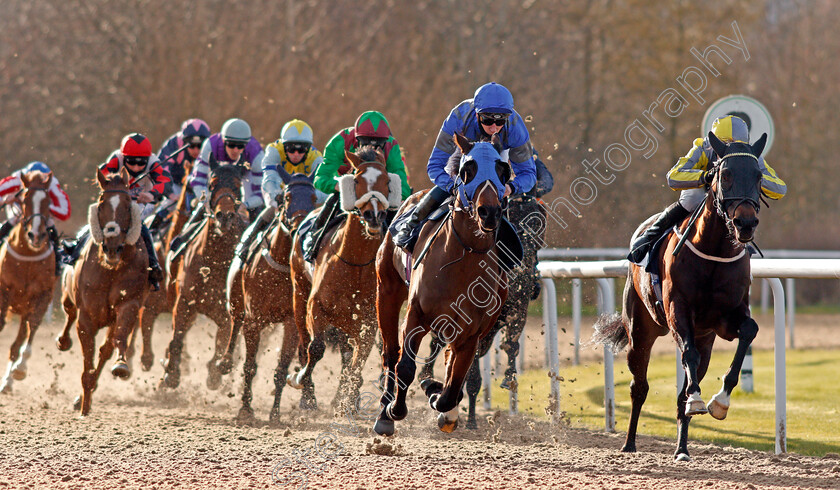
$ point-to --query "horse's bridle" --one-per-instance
(720, 201)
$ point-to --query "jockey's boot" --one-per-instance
(52, 233)
(5, 229)
(258, 225)
(673, 215)
(319, 226)
(155, 272)
(421, 211)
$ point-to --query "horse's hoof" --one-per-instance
(717, 410)
(121, 370)
(308, 404)
(246, 416)
(472, 424)
(682, 457)
(214, 379)
(510, 384)
(19, 373)
(63, 343)
(77, 403)
(695, 405)
(170, 380)
(6, 389)
(628, 448)
(292, 381)
(146, 362)
(395, 413)
(274, 417)
(384, 427)
(445, 425)
(225, 365)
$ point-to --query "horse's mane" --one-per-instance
(454, 163)
(299, 178)
(368, 153)
(226, 176)
(115, 179)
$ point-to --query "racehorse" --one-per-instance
(512, 317)
(259, 293)
(199, 274)
(163, 300)
(27, 264)
(339, 290)
(705, 292)
(109, 283)
(460, 258)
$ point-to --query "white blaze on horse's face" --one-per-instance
(371, 175)
(112, 228)
(37, 201)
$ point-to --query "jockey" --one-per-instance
(148, 183)
(371, 128)
(173, 156)
(59, 205)
(691, 176)
(294, 152)
(490, 111)
(234, 145)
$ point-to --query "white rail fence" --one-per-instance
(604, 272)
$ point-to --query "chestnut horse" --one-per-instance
(705, 292)
(199, 274)
(163, 300)
(27, 265)
(260, 293)
(456, 292)
(109, 283)
(339, 289)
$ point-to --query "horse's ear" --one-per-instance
(100, 178)
(497, 142)
(462, 142)
(759, 145)
(48, 180)
(124, 175)
(24, 179)
(352, 159)
(718, 145)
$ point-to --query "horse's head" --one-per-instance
(225, 203)
(480, 179)
(35, 207)
(737, 184)
(370, 190)
(298, 199)
(114, 220)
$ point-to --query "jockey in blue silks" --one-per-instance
(489, 112)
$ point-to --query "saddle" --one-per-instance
(187, 235)
(307, 238)
(261, 240)
(400, 220)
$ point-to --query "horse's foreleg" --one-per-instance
(14, 355)
(287, 352)
(31, 321)
(428, 369)
(251, 334)
(513, 328)
(315, 352)
(87, 340)
(224, 342)
(719, 404)
(182, 318)
(388, 317)
(365, 342)
(682, 327)
(447, 400)
(147, 323)
(413, 334)
(128, 321)
(63, 341)
(473, 387)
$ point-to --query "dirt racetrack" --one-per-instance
(141, 437)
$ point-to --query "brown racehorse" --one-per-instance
(27, 265)
(164, 300)
(260, 294)
(200, 273)
(456, 292)
(705, 292)
(339, 289)
(109, 283)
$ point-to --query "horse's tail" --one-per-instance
(610, 331)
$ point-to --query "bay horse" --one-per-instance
(705, 292)
(456, 292)
(259, 293)
(200, 273)
(164, 300)
(27, 265)
(339, 289)
(109, 283)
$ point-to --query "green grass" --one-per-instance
(813, 394)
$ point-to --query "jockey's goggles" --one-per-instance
(489, 119)
(135, 161)
(296, 147)
(373, 141)
(235, 145)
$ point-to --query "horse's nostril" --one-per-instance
(482, 212)
(368, 215)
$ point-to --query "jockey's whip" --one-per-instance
(694, 217)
